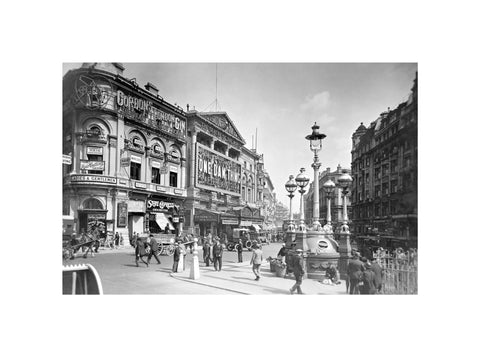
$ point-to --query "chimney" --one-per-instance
(188, 107)
(151, 88)
(112, 67)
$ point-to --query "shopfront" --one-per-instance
(206, 221)
(163, 215)
(136, 216)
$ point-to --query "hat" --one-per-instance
(299, 250)
(368, 264)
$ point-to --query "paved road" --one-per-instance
(119, 274)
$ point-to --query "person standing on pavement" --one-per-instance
(239, 247)
(140, 252)
(176, 257)
(298, 271)
(282, 253)
(256, 261)
(217, 255)
(206, 252)
(368, 278)
(377, 269)
(354, 271)
(153, 249)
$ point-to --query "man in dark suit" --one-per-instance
(206, 252)
(298, 271)
(354, 271)
(153, 249)
(377, 269)
(140, 251)
(217, 255)
(176, 257)
(368, 279)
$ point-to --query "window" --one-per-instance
(97, 158)
(173, 179)
(135, 170)
(155, 175)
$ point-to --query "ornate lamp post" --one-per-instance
(291, 186)
(329, 187)
(302, 182)
(344, 181)
(316, 145)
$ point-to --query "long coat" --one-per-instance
(355, 269)
(297, 265)
(153, 245)
(368, 279)
(217, 251)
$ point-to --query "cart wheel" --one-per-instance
(236, 247)
(248, 244)
(230, 246)
(161, 248)
(170, 250)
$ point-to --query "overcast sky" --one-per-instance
(282, 101)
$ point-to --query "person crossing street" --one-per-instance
(298, 271)
(153, 249)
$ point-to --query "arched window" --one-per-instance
(93, 203)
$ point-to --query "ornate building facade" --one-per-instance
(384, 171)
(127, 151)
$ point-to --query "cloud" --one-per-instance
(317, 103)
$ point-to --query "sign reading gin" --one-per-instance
(217, 172)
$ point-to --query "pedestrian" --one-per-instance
(368, 280)
(282, 253)
(331, 274)
(256, 261)
(153, 249)
(206, 252)
(298, 271)
(239, 247)
(354, 272)
(377, 269)
(217, 255)
(140, 252)
(176, 257)
(117, 239)
(167, 229)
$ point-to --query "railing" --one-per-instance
(400, 274)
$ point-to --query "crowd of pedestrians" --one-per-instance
(364, 276)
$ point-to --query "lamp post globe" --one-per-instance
(315, 139)
(328, 188)
(291, 186)
(344, 182)
(302, 181)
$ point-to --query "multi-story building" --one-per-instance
(128, 153)
(384, 171)
(222, 176)
(336, 199)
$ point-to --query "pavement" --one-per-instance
(238, 278)
(119, 275)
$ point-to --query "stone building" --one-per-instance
(128, 153)
(384, 171)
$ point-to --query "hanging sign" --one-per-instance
(124, 161)
(67, 160)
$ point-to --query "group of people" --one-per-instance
(364, 276)
(148, 248)
(213, 252)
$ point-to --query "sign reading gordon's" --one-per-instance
(93, 179)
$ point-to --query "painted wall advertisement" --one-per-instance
(122, 214)
(92, 165)
(217, 172)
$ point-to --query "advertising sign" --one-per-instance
(217, 172)
(94, 150)
(92, 165)
(136, 206)
(230, 221)
(93, 179)
(136, 159)
(67, 160)
(122, 214)
(125, 162)
(161, 206)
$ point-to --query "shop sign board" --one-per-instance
(92, 165)
(230, 221)
(93, 179)
(67, 159)
(136, 159)
(161, 206)
(217, 172)
(94, 150)
(246, 223)
(140, 185)
(122, 214)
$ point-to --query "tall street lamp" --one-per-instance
(344, 181)
(328, 188)
(302, 182)
(316, 145)
(291, 186)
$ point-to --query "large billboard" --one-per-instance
(217, 172)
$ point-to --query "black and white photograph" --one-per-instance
(240, 178)
(223, 178)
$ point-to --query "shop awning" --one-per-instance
(257, 227)
(162, 220)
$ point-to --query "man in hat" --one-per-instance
(217, 255)
(298, 271)
(368, 279)
(354, 271)
(206, 252)
(153, 249)
(140, 251)
(377, 269)
(176, 257)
